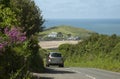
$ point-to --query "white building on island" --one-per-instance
(52, 34)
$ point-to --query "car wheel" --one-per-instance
(47, 65)
(61, 65)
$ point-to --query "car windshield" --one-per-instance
(56, 55)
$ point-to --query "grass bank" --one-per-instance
(98, 51)
(97, 63)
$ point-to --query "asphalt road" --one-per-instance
(77, 73)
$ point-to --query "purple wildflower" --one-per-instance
(1, 46)
(6, 30)
(13, 32)
(22, 38)
(15, 35)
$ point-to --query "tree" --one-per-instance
(30, 20)
(59, 34)
(7, 17)
(69, 35)
(22, 18)
(6, 3)
(29, 16)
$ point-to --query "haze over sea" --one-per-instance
(101, 26)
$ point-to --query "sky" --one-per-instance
(79, 9)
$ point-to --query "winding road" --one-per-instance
(76, 73)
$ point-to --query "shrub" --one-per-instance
(13, 54)
(35, 59)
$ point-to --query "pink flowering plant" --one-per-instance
(13, 47)
(15, 35)
(11, 36)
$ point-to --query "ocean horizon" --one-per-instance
(101, 26)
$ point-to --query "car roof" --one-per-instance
(55, 52)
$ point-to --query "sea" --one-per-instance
(101, 26)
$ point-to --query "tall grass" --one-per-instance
(104, 63)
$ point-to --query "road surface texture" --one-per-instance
(77, 73)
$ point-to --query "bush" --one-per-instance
(99, 51)
(35, 59)
(12, 64)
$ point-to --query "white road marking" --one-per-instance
(90, 76)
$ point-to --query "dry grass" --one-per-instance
(54, 44)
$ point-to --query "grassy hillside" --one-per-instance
(65, 30)
(98, 51)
